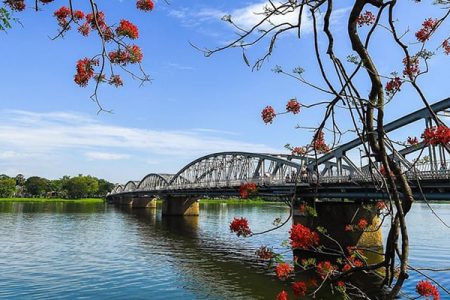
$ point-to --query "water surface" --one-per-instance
(86, 251)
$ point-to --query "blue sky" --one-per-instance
(194, 105)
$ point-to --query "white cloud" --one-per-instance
(50, 132)
(246, 17)
(106, 156)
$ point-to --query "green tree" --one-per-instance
(81, 186)
(7, 186)
(104, 187)
(36, 186)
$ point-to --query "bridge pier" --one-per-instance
(125, 200)
(143, 202)
(335, 216)
(180, 206)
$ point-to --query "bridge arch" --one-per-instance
(130, 186)
(117, 189)
(232, 168)
(154, 181)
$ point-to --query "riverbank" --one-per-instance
(81, 200)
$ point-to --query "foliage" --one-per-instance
(7, 187)
(37, 186)
(81, 186)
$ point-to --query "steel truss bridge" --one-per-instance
(333, 175)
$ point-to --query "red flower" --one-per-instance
(413, 68)
(426, 289)
(346, 267)
(380, 205)
(247, 189)
(427, 28)
(268, 114)
(46, 1)
(302, 237)
(283, 295)
(324, 268)
(299, 151)
(264, 252)
(393, 86)
(362, 223)
(17, 5)
(293, 106)
(116, 81)
(283, 270)
(135, 54)
(127, 29)
(446, 47)
(84, 29)
(367, 18)
(437, 135)
(61, 15)
(412, 140)
(240, 226)
(85, 70)
(299, 288)
(145, 5)
(319, 143)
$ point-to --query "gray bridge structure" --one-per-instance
(331, 176)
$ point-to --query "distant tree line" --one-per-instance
(66, 187)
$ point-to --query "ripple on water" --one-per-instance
(100, 252)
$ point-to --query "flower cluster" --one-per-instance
(427, 28)
(283, 270)
(412, 141)
(145, 5)
(446, 47)
(268, 114)
(247, 189)
(426, 289)
(411, 69)
(436, 135)
(85, 71)
(115, 80)
(97, 22)
(393, 86)
(319, 143)
(299, 288)
(283, 295)
(324, 268)
(132, 54)
(240, 226)
(293, 106)
(352, 262)
(264, 252)
(362, 224)
(127, 29)
(367, 18)
(301, 237)
(17, 5)
(64, 16)
(380, 205)
(299, 151)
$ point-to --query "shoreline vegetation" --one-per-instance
(49, 200)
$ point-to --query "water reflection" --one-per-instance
(70, 250)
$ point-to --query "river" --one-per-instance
(97, 251)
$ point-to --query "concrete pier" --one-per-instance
(180, 206)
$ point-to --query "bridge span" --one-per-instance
(334, 175)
